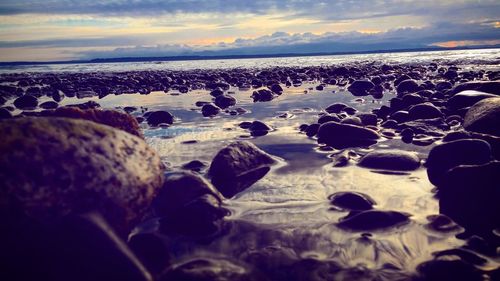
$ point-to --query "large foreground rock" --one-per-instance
(238, 166)
(484, 117)
(470, 194)
(455, 153)
(50, 167)
(346, 135)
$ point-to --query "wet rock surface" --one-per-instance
(274, 222)
(120, 179)
(352, 201)
(372, 220)
(57, 250)
(391, 160)
(346, 135)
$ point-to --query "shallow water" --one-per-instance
(288, 210)
(450, 56)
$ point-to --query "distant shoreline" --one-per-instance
(230, 57)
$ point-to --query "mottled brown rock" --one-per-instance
(116, 119)
(51, 166)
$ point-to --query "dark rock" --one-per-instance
(376, 80)
(200, 218)
(467, 99)
(201, 103)
(314, 270)
(49, 105)
(93, 167)
(425, 93)
(424, 111)
(237, 166)
(371, 220)
(353, 201)
(259, 128)
(360, 87)
(216, 92)
(450, 74)
(455, 153)
(262, 95)
(245, 124)
(400, 116)
(156, 118)
(312, 129)
(349, 110)
(442, 223)
(492, 87)
(128, 109)
(224, 101)
(389, 123)
(276, 88)
(4, 113)
(303, 127)
(352, 120)
(368, 119)
(179, 189)
(438, 270)
(407, 87)
(335, 108)
(328, 117)
(454, 118)
(85, 94)
(345, 135)
(443, 85)
(320, 87)
(26, 102)
(77, 247)
(209, 110)
(492, 140)
(484, 117)
(86, 105)
(151, 250)
(469, 195)
(391, 160)
(465, 255)
(411, 99)
(195, 165)
(430, 127)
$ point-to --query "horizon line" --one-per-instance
(242, 56)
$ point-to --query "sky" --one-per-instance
(48, 30)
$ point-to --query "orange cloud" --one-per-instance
(463, 43)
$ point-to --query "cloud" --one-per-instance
(326, 10)
(103, 28)
(283, 42)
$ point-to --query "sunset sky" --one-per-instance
(44, 30)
